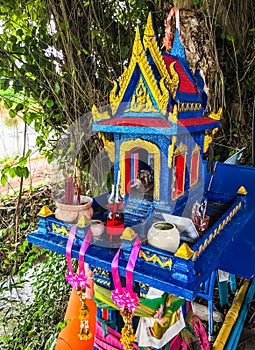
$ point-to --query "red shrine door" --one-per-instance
(135, 160)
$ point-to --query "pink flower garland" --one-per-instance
(124, 299)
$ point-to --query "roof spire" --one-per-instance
(174, 46)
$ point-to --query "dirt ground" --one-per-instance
(39, 174)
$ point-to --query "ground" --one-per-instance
(39, 174)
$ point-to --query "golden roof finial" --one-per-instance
(45, 211)
(128, 234)
(242, 190)
(184, 252)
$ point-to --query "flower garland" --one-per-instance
(79, 280)
(124, 297)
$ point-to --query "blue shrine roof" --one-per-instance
(157, 92)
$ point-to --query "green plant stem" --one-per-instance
(17, 213)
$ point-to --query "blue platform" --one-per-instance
(231, 250)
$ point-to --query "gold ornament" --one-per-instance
(84, 333)
(127, 332)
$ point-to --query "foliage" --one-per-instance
(64, 55)
(231, 26)
(33, 321)
(13, 245)
(32, 317)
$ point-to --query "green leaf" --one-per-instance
(19, 107)
(7, 104)
(12, 113)
(230, 37)
(24, 245)
(64, 25)
(4, 83)
(19, 32)
(12, 172)
(95, 33)
(22, 161)
(19, 171)
(57, 87)
(25, 172)
(29, 152)
(4, 180)
(13, 39)
(49, 103)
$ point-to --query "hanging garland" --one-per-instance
(79, 280)
(124, 297)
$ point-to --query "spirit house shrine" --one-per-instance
(168, 225)
(158, 121)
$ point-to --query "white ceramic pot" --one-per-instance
(164, 235)
(72, 213)
(97, 228)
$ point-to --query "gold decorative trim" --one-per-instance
(181, 149)
(141, 100)
(156, 259)
(138, 57)
(208, 139)
(173, 117)
(109, 146)
(151, 148)
(144, 286)
(216, 231)
(99, 116)
(102, 282)
(216, 116)
(189, 106)
(196, 150)
(101, 272)
(62, 229)
(171, 151)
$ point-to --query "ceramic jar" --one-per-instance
(97, 228)
(72, 213)
(164, 235)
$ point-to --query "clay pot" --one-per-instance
(97, 228)
(164, 235)
(72, 213)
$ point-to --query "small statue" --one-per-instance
(144, 186)
(199, 217)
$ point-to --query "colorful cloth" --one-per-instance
(109, 342)
(156, 333)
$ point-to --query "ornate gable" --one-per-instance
(156, 92)
(140, 88)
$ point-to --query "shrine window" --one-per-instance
(194, 165)
(179, 168)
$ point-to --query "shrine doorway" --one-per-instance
(139, 159)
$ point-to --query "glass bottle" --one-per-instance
(115, 217)
(111, 201)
